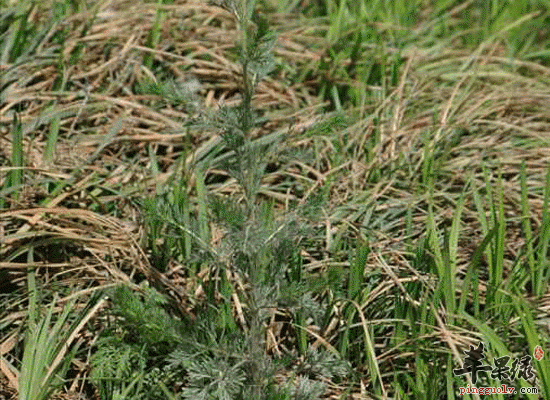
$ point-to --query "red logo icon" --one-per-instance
(538, 353)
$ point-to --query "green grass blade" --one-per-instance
(154, 35)
(357, 272)
(544, 239)
(203, 206)
(51, 142)
(471, 271)
(16, 174)
(527, 231)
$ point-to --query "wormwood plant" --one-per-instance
(246, 165)
(150, 354)
(257, 246)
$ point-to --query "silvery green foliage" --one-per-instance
(213, 379)
(323, 364)
(256, 54)
(316, 364)
(307, 389)
(182, 93)
(247, 160)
